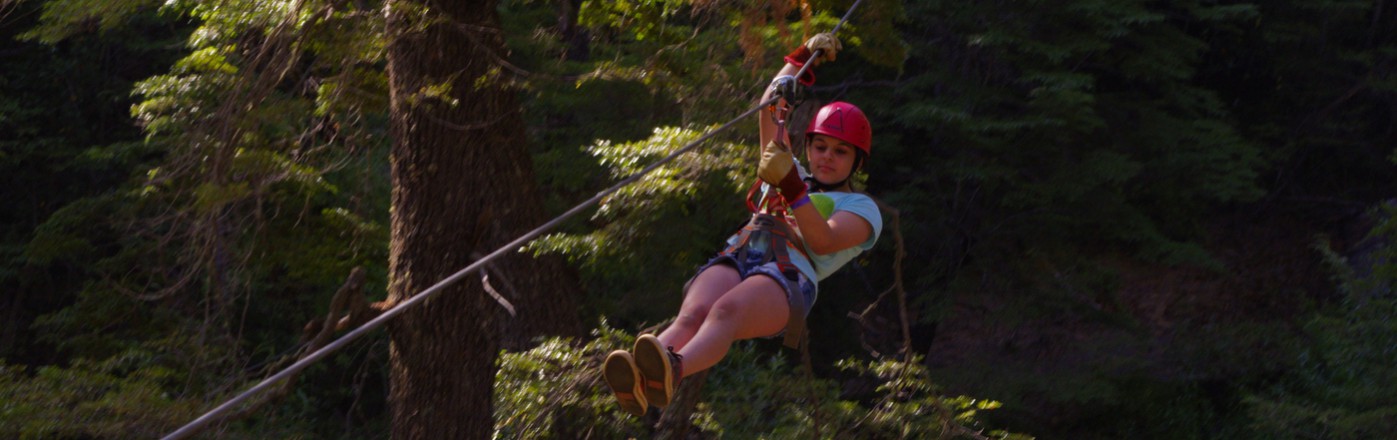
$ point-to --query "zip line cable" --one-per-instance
(195, 426)
(434, 289)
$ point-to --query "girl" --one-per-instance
(742, 293)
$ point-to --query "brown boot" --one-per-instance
(624, 378)
(660, 370)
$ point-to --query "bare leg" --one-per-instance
(755, 308)
(707, 287)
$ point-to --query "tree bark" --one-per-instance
(573, 35)
(675, 423)
(463, 184)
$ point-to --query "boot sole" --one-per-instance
(655, 370)
(621, 374)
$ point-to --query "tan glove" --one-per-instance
(778, 169)
(776, 163)
(827, 44)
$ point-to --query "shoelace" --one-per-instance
(678, 362)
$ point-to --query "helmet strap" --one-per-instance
(817, 186)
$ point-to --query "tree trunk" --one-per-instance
(573, 36)
(462, 185)
(675, 423)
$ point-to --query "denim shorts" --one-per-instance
(752, 265)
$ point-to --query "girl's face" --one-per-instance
(831, 160)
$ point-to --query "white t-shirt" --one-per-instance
(858, 204)
(828, 203)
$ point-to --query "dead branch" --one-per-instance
(490, 289)
(948, 417)
(897, 287)
(316, 334)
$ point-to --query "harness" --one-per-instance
(770, 234)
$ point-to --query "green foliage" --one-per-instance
(629, 212)
(102, 400)
(62, 19)
(62, 236)
(189, 260)
(67, 146)
(280, 166)
(641, 20)
(912, 405)
(1051, 142)
(554, 391)
(753, 395)
(658, 222)
(1340, 388)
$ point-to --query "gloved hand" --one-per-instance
(778, 169)
(825, 42)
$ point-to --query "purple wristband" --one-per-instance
(802, 201)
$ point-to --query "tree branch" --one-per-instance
(315, 335)
(900, 253)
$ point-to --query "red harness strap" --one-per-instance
(769, 234)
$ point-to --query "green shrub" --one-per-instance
(554, 391)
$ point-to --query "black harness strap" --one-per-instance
(770, 235)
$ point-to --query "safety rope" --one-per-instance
(195, 426)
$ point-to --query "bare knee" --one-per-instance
(725, 311)
(690, 319)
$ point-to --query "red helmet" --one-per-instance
(845, 122)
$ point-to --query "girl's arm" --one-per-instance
(820, 48)
(843, 230)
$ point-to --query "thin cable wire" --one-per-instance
(197, 424)
(192, 427)
(815, 55)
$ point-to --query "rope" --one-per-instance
(197, 425)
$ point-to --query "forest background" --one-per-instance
(1115, 219)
